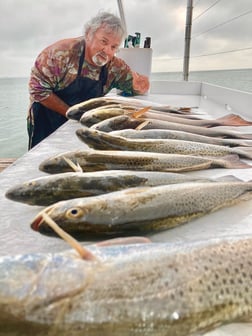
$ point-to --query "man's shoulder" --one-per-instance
(67, 44)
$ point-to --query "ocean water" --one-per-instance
(238, 79)
(14, 102)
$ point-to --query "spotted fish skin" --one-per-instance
(49, 189)
(126, 122)
(94, 160)
(153, 289)
(101, 140)
(143, 210)
(179, 135)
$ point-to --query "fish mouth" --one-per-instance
(37, 222)
(35, 225)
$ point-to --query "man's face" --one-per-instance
(101, 46)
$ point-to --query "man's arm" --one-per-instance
(140, 83)
(54, 103)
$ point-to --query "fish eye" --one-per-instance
(74, 213)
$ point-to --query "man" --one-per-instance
(76, 69)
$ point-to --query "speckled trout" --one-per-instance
(143, 209)
(47, 190)
(94, 160)
(102, 140)
(76, 111)
(96, 115)
(179, 135)
(152, 289)
(124, 121)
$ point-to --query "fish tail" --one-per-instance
(233, 120)
(233, 161)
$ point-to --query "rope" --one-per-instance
(222, 24)
(206, 10)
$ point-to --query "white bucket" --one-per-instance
(139, 60)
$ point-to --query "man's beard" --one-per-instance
(100, 58)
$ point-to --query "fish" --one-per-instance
(102, 140)
(49, 189)
(117, 123)
(98, 114)
(142, 210)
(94, 160)
(76, 111)
(124, 121)
(94, 116)
(227, 120)
(150, 289)
(179, 135)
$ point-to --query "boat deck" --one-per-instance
(17, 236)
(5, 162)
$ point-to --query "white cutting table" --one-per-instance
(212, 102)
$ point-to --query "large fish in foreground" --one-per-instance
(102, 140)
(47, 190)
(143, 209)
(94, 160)
(152, 289)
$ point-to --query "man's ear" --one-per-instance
(87, 35)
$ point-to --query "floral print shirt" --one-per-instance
(57, 66)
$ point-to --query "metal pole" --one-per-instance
(187, 39)
(122, 16)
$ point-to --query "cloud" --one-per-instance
(28, 26)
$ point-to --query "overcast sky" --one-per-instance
(28, 26)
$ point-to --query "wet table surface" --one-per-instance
(17, 237)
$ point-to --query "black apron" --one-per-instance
(44, 121)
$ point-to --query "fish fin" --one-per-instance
(124, 241)
(228, 178)
(140, 112)
(172, 109)
(233, 161)
(83, 252)
(142, 125)
(75, 167)
(233, 120)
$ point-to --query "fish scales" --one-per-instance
(143, 209)
(178, 135)
(124, 122)
(94, 160)
(96, 115)
(101, 140)
(47, 190)
(76, 111)
(167, 290)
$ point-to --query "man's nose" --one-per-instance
(108, 49)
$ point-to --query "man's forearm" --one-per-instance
(54, 103)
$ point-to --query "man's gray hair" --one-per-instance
(107, 20)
